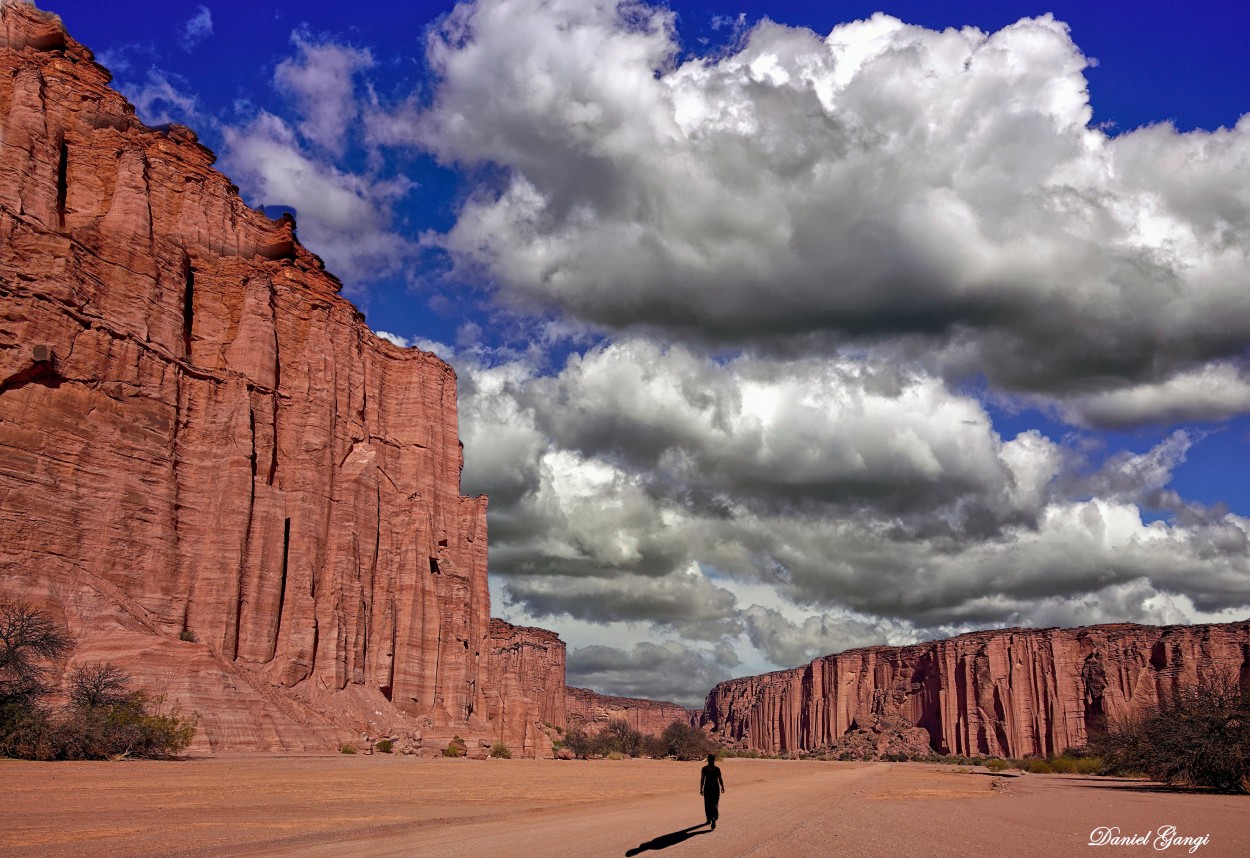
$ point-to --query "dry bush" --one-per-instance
(104, 718)
(29, 638)
(1198, 737)
(579, 743)
(686, 742)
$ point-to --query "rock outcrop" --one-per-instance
(210, 468)
(591, 712)
(1010, 693)
(525, 699)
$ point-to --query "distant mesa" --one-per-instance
(589, 711)
(1008, 692)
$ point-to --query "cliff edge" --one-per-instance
(210, 469)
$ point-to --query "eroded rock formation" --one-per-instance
(1012, 692)
(591, 712)
(525, 681)
(210, 468)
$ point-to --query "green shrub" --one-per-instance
(615, 755)
(500, 751)
(1074, 765)
(26, 733)
(455, 748)
(1037, 767)
(997, 765)
(384, 746)
(347, 749)
(131, 727)
(188, 636)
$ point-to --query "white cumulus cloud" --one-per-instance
(344, 217)
(883, 184)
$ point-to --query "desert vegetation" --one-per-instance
(1200, 736)
(619, 740)
(103, 718)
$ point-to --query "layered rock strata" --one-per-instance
(210, 468)
(591, 712)
(1010, 693)
(525, 700)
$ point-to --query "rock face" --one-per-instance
(591, 712)
(210, 468)
(1012, 692)
(525, 700)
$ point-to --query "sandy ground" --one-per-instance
(384, 805)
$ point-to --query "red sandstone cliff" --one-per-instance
(525, 681)
(1011, 692)
(199, 438)
(591, 712)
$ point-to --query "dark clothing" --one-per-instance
(710, 801)
(710, 784)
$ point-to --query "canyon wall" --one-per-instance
(1012, 692)
(210, 469)
(525, 682)
(591, 712)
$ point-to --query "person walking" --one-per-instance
(711, 785)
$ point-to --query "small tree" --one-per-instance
(687, 742)
(98, 684)
(28, 638)
(579, 743)
(1198, 736)
(654, 747)
(620, 737)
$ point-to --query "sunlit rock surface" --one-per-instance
(1010, 693)
(591, 712)
(210, 468)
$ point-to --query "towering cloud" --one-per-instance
(930, 190)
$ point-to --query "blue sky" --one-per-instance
(780, 328)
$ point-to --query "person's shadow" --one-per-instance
(671, 839)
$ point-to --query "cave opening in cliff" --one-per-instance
(286, 553)
(188, 305)
(62, 183)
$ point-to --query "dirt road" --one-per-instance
(392, 806)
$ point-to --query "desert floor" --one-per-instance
(389, 805)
